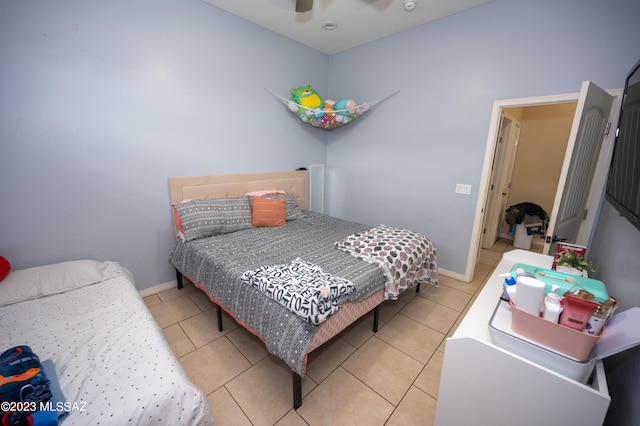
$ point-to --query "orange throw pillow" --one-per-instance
(268, 212)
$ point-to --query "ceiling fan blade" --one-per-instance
(303, 5)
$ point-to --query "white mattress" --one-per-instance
(110, 356)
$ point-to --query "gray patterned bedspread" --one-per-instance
(218, 262)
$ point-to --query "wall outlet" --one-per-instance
(462, 188)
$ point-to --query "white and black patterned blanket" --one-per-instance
(302, 287)
(405, 257)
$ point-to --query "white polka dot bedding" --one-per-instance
(109, 357)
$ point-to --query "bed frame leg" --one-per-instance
(179, 279)
(219, 315)
(418, 288)
(376, 317)
(297, 390)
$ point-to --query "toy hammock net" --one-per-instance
(329, 119)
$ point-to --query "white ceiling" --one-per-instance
(358, 21)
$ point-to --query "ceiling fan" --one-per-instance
(304, 5)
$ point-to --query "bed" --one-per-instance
(217, 261)
(105, 357)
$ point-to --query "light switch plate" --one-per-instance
(462, 188)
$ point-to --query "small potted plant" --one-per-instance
(573, 263)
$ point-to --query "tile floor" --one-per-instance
(386, 378)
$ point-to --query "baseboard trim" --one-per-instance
(158, 288)
(451, 274)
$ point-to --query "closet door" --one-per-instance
(501, 173)
(576, 177)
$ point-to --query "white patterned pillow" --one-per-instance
(41, 281)
(204, 218)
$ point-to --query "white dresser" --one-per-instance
(482, 384)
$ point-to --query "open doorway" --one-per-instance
(528, 158)
(585, 162)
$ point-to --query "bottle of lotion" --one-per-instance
(510, 288)
(530, 294)
(552, 306)
(599, 317)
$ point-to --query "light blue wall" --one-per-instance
(102, 102)
(400, 165)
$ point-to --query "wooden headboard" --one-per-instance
(222, 186)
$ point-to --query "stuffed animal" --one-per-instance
(329, 114)
(345, 107)
(307, 97)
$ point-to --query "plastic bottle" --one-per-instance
(530, 294)
(510, 288)
(552, 306)
(595, 323)
(600, 316)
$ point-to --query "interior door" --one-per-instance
(502, 171)
(507, 173)
(583, 149)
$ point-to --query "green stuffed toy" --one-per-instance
(307, 97)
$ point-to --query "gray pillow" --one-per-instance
(293, 211)
(204, 218)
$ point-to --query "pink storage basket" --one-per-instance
(559, 338)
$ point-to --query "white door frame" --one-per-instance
(600, 177)
(494, 124)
